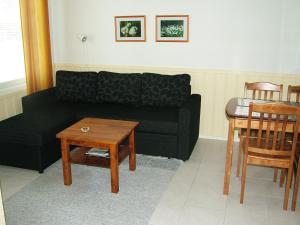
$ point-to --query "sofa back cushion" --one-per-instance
(76, 86)
(165, 90)
(121, 88)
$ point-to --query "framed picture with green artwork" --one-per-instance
(130, 28)
(172, 28)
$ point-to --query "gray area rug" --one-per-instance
(89, 201)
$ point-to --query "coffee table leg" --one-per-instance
(65, 152)
(114, 168)
(132, 156)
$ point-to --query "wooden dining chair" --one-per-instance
(271, 149)
(261, 91)
(293, 95)
(297, 179)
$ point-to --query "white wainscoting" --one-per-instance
(10, 104)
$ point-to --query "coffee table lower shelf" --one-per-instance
(78, 156)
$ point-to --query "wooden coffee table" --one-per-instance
(102, 133)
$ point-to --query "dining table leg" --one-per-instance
(229, 154)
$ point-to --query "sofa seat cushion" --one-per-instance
(76, 86)
(121, 88)
(165, 90)
(152, 119)
(34, 129)
(162, 120)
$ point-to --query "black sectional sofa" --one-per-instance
(167, 111)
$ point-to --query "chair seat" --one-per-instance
(270, 162)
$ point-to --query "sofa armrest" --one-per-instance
(38, 99)
(188, 126)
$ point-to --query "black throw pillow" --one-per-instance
(165, 90)
(76, 86)
(121, 88)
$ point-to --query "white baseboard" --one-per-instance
(216, 138)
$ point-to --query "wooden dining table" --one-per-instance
(237, 110)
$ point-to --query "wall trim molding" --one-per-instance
(166, 69)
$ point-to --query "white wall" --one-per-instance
(243, 35)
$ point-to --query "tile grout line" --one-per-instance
(189, 191)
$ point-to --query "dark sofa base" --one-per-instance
(30, 157)
(156, 144)
(19, 155)
(39, 158)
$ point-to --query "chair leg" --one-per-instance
(282, 177)
(239, 157)
(275, 175)
(296, 187)
(243, 180)
(287, 188)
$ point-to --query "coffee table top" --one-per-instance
(100, 130)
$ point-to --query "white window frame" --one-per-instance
(17, 83)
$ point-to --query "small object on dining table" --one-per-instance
(244, 111)
(85, 129)
(246, 101)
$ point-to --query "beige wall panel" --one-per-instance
(11, 104)
(215, 86)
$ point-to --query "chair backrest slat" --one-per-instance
(248, 129)
(275, 135)
(259, 135)
(283, 132)
(259, 94)
(268, 130)
(253, 94)
(271, 95)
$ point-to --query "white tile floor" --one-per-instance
(13, 179)
(194, 196)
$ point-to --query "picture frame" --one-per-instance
(172, 28)
(130, 28)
